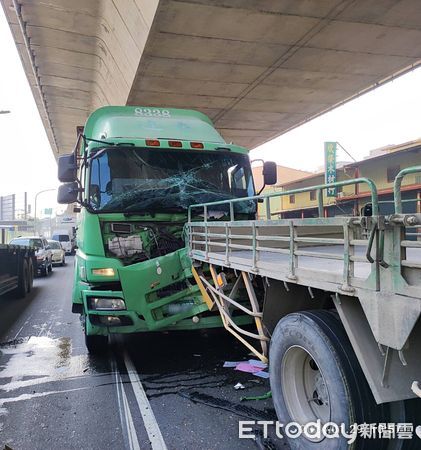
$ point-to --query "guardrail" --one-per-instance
(352, 256)
(410, 221)
(398, 184)
(221, 240)
(256, 245)
(266, 198)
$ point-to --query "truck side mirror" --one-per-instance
(270, 174)
(67, 168)
(68, 193)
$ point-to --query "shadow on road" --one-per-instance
(11, 309)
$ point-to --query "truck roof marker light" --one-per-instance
(152, 142)
(177, 144)
(197, 145)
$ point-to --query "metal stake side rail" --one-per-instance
(374, 282)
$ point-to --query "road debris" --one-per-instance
(252, 366)
(257, 363)
(247, 367)
(231, 363)
(261, 374)
(257, 397)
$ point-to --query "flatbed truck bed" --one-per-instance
(275, 265)
(347, 287)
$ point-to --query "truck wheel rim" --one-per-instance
(304, 389)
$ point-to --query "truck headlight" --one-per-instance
(105, 272)
(107, 304)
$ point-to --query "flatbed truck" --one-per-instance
(336, 306)
(16, 270)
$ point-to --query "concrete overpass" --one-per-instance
(257, 67)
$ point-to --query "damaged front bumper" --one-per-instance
(157, 294)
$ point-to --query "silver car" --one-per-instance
(59, 254)
(43, 252)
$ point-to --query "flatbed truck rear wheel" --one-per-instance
(96, 344)
(30, 275)
(315, 375)
(23, 280)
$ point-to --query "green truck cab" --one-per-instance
(134, 172)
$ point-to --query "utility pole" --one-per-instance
(35, 207)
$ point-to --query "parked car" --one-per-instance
(59, 255)
(43, 253)
(65, 240)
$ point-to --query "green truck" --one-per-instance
(134, 172)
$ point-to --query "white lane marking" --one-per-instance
(126, 418)
(24, 397)
(149, 420)
(133, 441)
(21, 328)
(18, 333)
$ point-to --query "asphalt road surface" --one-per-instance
(161, 390)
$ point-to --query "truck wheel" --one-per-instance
(95, 344)
(315, 375)
(30, 275)
(20, 291)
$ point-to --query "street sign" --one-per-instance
(330, 167)
(67, 220)
(48, 211)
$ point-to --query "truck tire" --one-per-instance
(315, 375)
(30, 275)
(22, 287)
(95, 344)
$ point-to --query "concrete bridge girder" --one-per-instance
(256, 67)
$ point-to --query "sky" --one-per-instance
(390, 114)
(26, 160)
(387, 115)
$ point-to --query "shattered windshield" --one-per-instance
(142, 179)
